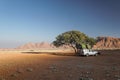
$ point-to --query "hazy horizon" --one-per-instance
(24, 21)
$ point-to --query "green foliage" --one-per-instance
(83, 46)
(74, 39)
(90, 41)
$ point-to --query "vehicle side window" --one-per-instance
(90, 50)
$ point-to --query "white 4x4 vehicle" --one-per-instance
(88, 52)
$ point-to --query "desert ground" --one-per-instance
(18, 65)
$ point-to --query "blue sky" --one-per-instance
(23, 21)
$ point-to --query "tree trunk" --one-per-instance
(74, 49)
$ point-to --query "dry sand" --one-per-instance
(15, 65)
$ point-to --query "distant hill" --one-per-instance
(36, 45)
(102, 43)
(107, 43)
(40, 45)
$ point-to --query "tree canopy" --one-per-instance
(75, 39)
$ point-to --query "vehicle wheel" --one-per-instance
(99, 53)
(87, 55)
(96, 54)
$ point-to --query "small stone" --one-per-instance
(107, 72)
(29, 69)
(14, 75)
(86, 78)
(113, 68)
(69, 68)
(107, 75)
(70, 75)
(81, 78)
(19, 71)
(88, 72)
(117, 76)
(81, 75)
(53, 68)
(90, 78)
(62, 71)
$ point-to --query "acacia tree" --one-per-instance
(74, 39)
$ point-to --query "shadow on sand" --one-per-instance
(52, 53)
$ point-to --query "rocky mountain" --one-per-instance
(36, 45)
(107, 43)
(41, 45)
(102, 43)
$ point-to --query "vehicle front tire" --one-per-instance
(87, 55)
(96, 54)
